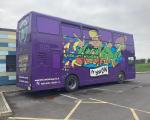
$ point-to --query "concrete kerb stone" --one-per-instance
(8, 110)
(143, 72)
(7, 91)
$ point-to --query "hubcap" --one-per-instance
(121, 77)
(72, 83)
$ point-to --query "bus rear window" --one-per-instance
(24, 30)
(47, 25)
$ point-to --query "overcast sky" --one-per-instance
(131, 16)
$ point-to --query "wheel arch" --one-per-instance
(123, 72)
(74, 75)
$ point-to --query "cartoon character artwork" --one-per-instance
(95, 39)
(93, 53)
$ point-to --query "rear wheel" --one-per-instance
(121, 77)
(71, 83)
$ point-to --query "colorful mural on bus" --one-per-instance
(93, 53)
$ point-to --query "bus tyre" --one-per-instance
(71, 83)
(121, 77)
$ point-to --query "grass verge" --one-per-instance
(142, 67)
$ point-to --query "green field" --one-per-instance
(142, 67)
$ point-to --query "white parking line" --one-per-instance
(69, 96)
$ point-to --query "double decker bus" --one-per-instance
(58, 53)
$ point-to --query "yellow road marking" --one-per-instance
(6, 104)
(72, 111)
(101, 101)
(92, 102)
(134, 114)
(142, 111)
(26, 118)
(147, 112)
(69, 96)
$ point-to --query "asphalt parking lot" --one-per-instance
(128, 101)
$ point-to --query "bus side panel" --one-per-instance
(84, 76)
(77, 53)
(46, 65)
(104, 57)
(130, 57)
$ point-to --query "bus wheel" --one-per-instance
(71, 83)
(121, 77)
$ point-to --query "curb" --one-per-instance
(8, 112)
(7, 91)
(143, 72)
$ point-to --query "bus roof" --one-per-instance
(72, 22)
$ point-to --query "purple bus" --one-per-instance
(58, 53)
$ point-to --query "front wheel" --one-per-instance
(121, 77)
(71, 83)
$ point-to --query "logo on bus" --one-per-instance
(103, 70)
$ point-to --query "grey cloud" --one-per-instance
(123, 15)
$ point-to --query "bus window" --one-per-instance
(70, 30)
(130, 49)
(118, 38)
(91, 37)
(23, 30)
(88, 32)
(129, 40)
(105, 35)
(47, 25)
(71, 38)
(85, 33)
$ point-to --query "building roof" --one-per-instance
(7, 29)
